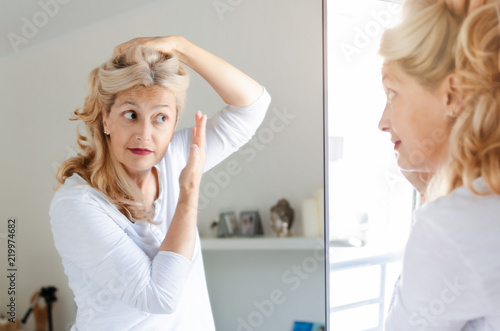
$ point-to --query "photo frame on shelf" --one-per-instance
(228, 225)
(250, 224)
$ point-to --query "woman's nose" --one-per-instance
(385, 123)
(143, 132)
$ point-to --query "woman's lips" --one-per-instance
(396, 144)
(140, 151)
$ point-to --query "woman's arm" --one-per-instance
(232, 85)
(234, 125)
(181, 234)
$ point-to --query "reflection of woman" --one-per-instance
(442, 80)
(124, 220)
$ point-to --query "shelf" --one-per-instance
(261, 243)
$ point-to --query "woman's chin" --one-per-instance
(406, 166)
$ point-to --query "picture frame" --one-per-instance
(250, 224)
(228, 225)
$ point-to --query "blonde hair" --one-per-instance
(475, 138)
(96, 164)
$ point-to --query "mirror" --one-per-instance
(254, 284)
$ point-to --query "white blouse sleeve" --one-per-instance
(85, 235)
(438, 289)
(227, 131)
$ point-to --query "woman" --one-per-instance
(442, 79)
(124, 220)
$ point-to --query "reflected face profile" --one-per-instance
(416, 119)
(140, 125)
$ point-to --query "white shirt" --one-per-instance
(121, 281)
(451, 267)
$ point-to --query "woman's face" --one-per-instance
(417, 120)
(140, 125)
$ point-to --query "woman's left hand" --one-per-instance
(232, 85)
(163, 44)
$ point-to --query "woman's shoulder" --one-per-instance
(462, 218)
(74, 187)
(76, 190)
(76, 199)
(462, 203)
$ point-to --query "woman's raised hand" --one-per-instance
(162, 44)
(190, 177)
(181, 235)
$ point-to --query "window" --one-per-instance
(370, 202)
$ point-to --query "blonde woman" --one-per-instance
(125, 218)
(442, 79)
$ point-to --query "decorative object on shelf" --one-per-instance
(312, 215)
(250, 224)
(282, 218)
(227, 225)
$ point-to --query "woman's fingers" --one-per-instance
(163, 44)
(126, 45)
(191, 175)
(199, 130)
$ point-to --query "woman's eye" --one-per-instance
(130, 115)
(390, 95)
(161, 118)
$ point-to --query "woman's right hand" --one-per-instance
(181, 235)
(190, 177)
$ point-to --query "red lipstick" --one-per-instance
(140, 151)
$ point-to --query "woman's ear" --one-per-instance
(454, 102)
(104, 120)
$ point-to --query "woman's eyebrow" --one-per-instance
(127, 102)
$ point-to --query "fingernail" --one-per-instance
(194, 147)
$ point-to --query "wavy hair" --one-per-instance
(96, 163)
(475, 138)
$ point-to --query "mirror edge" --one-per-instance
(326, 226)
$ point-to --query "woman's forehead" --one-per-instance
(392, 72)
(141, 91)
(145, 94)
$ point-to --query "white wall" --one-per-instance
(278, 43)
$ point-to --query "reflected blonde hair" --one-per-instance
(96, 163)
